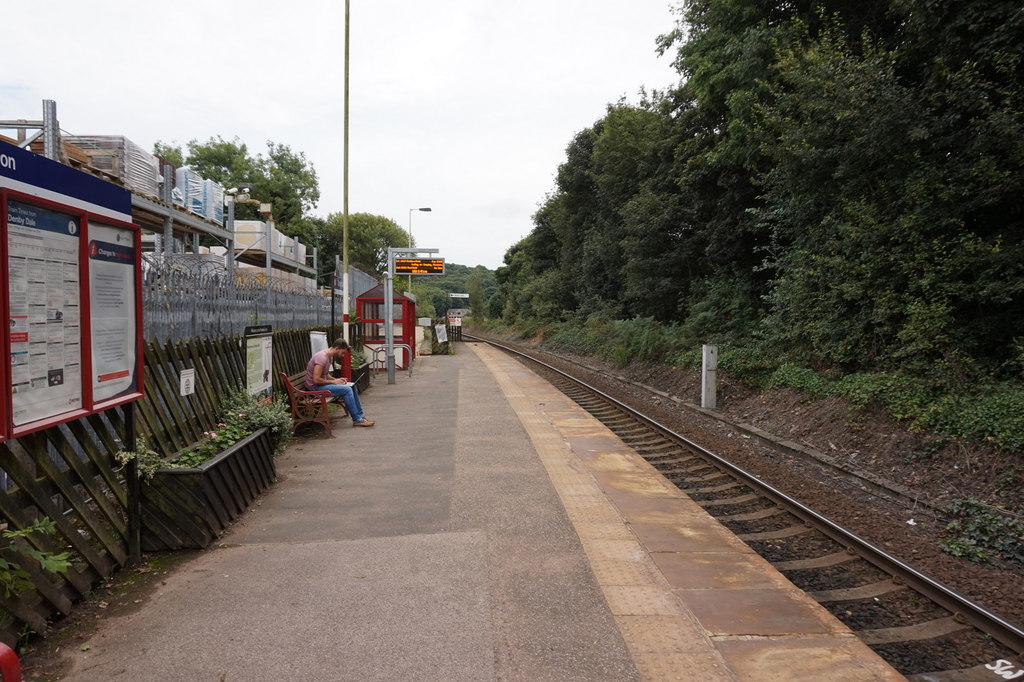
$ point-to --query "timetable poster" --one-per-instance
(112, 308)
(45, 319)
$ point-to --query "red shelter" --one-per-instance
(371, 311)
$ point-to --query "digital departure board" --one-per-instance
(419, 266)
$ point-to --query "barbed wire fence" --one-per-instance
(189, 297)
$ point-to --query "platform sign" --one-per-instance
(419, 266)
(73, 294)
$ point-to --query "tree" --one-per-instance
(284, 179)
(475, 287)
(169, 153)
(894, 207)
(369, 238)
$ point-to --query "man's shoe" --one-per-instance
(365, 422)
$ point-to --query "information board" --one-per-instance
(419, 266)
(45, 315)
(113, 262)
(259, 360)
(73, 294)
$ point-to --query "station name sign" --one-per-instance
(419, 266)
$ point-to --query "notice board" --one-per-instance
(259, 358)
(73, 294)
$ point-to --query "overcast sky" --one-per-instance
(463, 106)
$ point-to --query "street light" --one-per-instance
(426, 210)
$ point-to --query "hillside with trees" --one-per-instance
(832, 194)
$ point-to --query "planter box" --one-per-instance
(189, 508)
(361, 377)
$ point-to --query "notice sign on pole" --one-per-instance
(259, 353)
(419, 266)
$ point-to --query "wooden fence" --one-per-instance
(68, 472)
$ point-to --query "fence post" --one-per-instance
(133, 489)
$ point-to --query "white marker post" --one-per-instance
(709, 378)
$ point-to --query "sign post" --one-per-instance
(411, 266)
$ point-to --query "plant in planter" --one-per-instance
(360, 369)
(188, 501)
(241, 414)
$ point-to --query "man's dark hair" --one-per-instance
(340, 343)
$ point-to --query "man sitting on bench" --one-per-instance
(318, 378)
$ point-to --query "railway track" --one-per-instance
(926, 630)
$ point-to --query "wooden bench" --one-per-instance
(309, 406)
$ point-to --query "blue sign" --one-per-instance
(35, 175)
(24, 215)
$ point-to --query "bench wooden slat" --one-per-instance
(307, 406)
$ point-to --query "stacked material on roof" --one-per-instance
(191, 185)
(115, 154)
(213, 200)
(251, 235)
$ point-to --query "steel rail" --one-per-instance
(960, 606)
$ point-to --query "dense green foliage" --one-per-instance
(432, 292)
(832, 185)
(980, 532)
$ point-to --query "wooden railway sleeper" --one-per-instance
(869, 591)
(939, 627)
(739, 499)
(753, 516)
(781, 534)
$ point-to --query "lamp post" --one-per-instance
(344, 215)
(426, 210)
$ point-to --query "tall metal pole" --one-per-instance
(231, 240)
(389, 317)
(344, 215)
(411, 249)
(409, 284)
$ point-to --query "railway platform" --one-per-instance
(486, 528)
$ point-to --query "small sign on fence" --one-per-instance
(188, 381)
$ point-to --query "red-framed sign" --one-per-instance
(71, 264)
